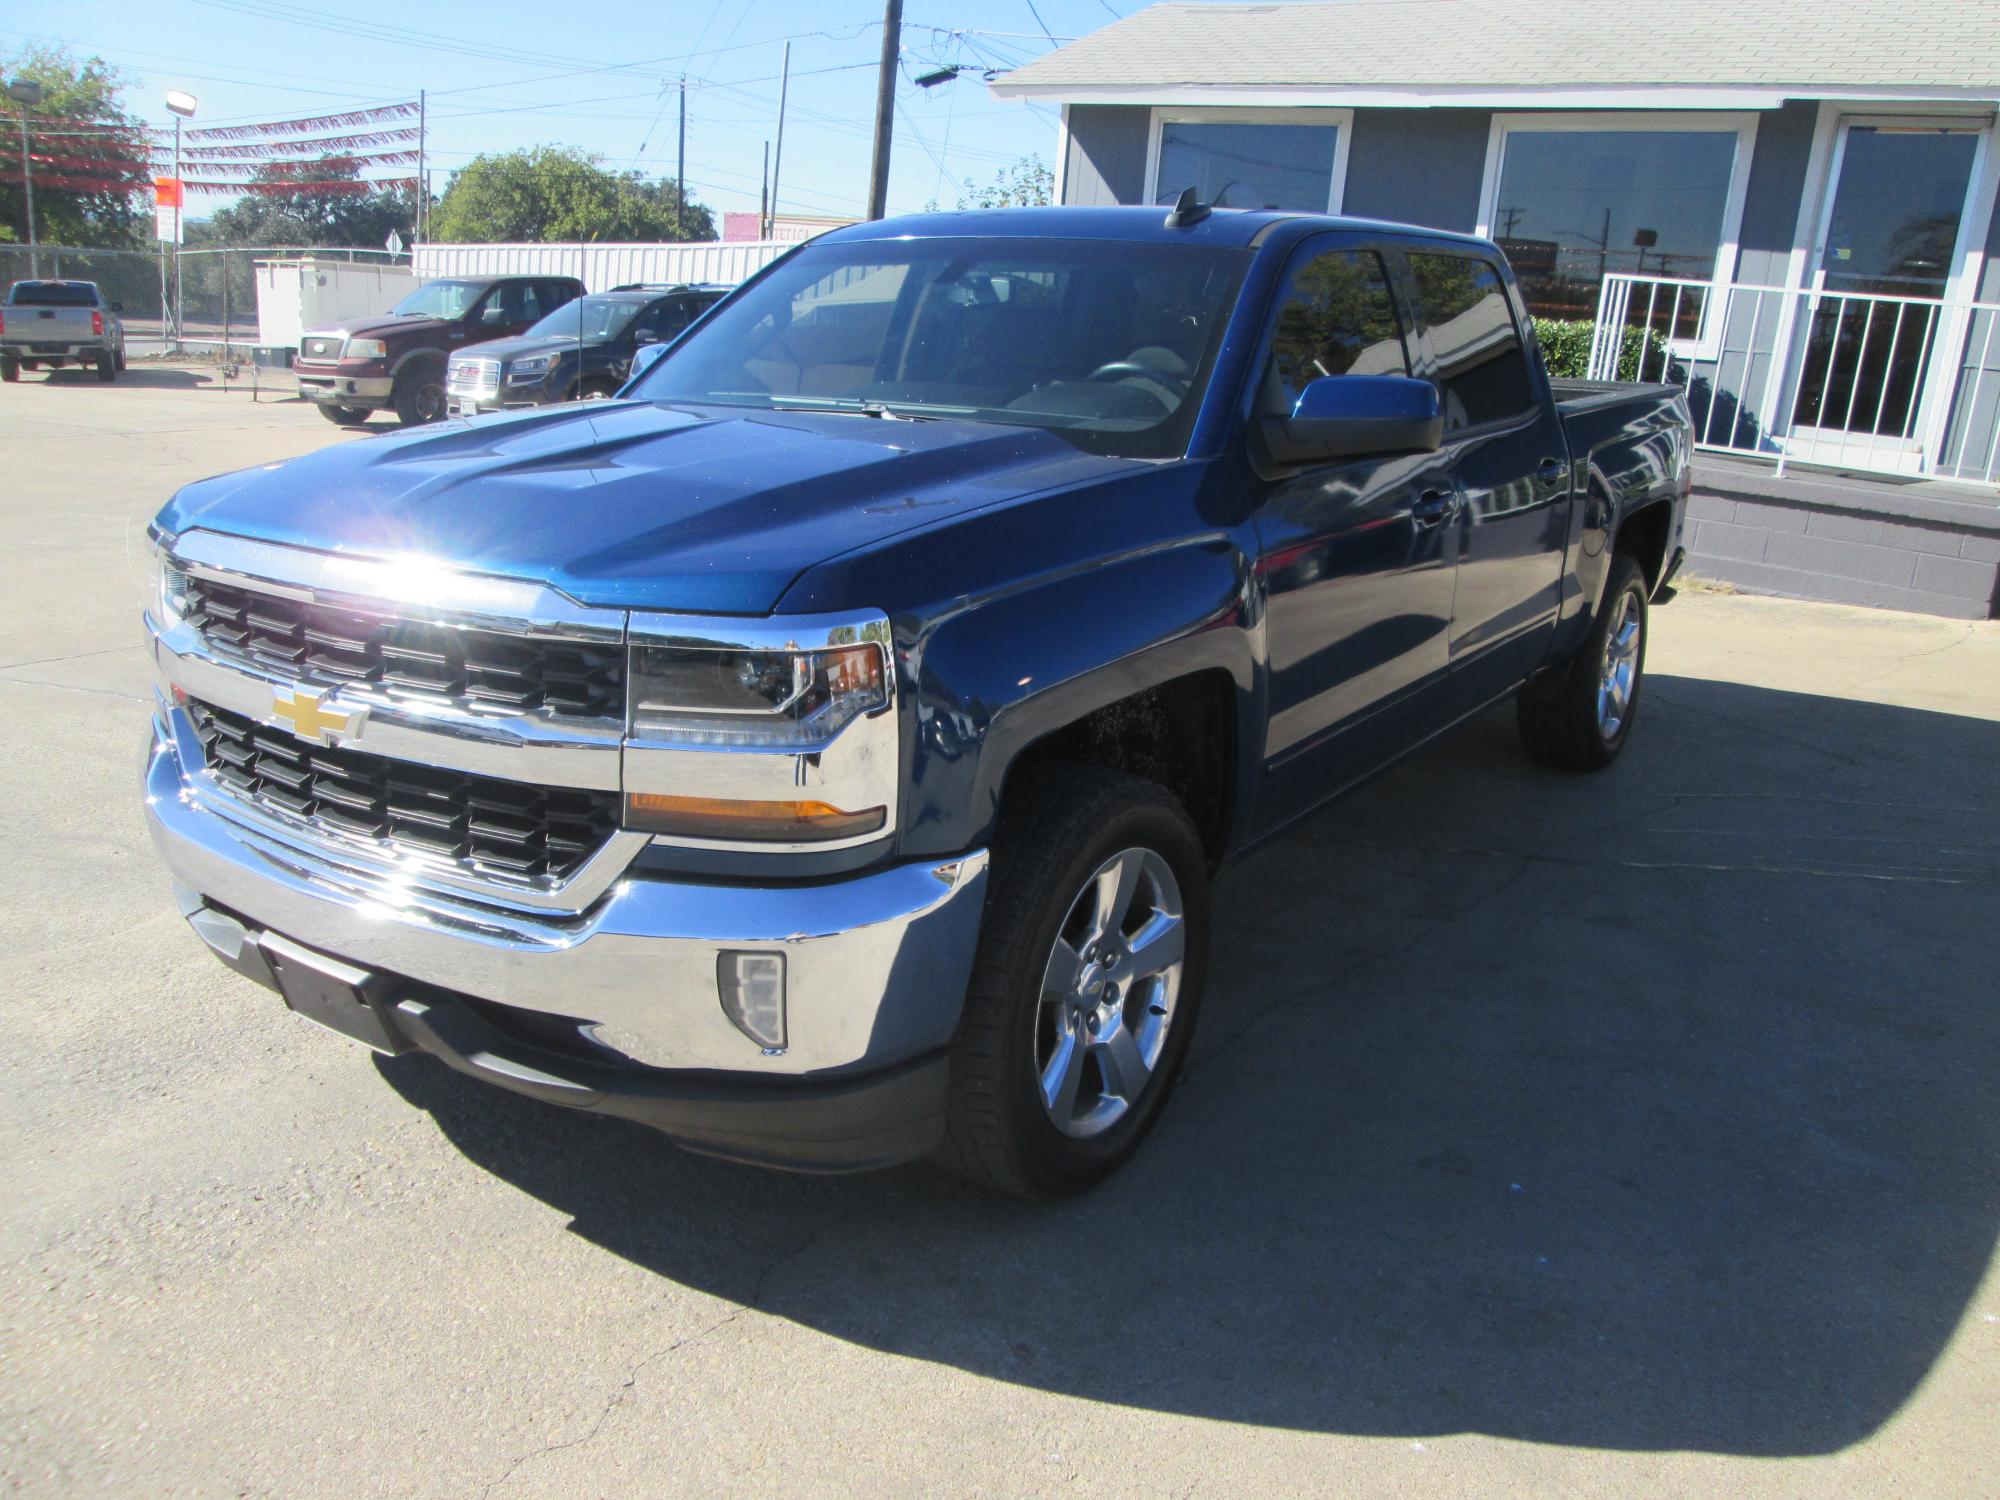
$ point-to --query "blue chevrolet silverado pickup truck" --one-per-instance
(823, 752)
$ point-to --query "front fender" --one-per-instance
(997, 676)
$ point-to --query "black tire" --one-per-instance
(121, 359)
(10, 370)
(342, 416)
(107, 366)
(594, 390)
(1056, 833)
(1579, 725)
(420, 394)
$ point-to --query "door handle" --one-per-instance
(1433, 506)
(1551, 471)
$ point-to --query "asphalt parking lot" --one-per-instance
(1545, 1135)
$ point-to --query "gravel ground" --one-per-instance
(1545, 1135)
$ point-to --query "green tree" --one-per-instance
(303, 216)
(102, 152)
(560, 193)
(1027, 184)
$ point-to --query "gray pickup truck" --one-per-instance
(48, 324)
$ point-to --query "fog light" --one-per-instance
(752, 986)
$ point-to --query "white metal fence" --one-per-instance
(1877, 383)
(601, 267)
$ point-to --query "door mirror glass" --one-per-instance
(1355, 416)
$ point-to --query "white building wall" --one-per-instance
(601, 267)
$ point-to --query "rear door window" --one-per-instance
(1482, 367)
(1337, 318)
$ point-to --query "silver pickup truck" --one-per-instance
(49, 324)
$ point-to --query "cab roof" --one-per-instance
(1227, 228)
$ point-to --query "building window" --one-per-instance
(1249, 163)
(1571, 202)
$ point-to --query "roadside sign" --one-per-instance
(394, 243)
(168, 194)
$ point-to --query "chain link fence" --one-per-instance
(217, 286)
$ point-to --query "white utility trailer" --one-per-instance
(313, 291)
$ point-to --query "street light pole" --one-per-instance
(24, 92)
(182, 107)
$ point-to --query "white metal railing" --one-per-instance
(1878, 383)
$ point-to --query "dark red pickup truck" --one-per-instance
(398, 359)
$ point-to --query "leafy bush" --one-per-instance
(1566, 346)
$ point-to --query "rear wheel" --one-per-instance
(420, 395)
(121, 358)
(10, 370)
(342, 416)
(1085, 989)
(1584, 723)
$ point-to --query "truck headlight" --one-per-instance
(366, 349)
(786, 701)
(169, 601)
(717, 697)
(532, 368)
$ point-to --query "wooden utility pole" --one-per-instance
(681, 172)
(885, 107)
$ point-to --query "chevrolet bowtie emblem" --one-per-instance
(300, 710)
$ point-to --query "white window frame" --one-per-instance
(1743, 126)
(1341, 119)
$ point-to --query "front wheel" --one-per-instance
(342, 416)
(420, 395)
(107, 367)
(1584, 723)
(1084, 993)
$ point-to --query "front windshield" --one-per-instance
(1106, 341)
(601, 318)
(439, 299)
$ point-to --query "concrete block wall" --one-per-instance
(1848, 541)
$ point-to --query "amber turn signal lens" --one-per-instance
(728, 818)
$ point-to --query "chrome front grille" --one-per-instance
(484, 824)
(474, 375)
(479, 670)
(319, 348)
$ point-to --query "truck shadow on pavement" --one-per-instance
(132, 377)
(1646, 1111)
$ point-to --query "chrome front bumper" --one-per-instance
(876, 964)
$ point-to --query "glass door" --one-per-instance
(1890, 241)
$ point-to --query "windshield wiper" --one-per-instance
(883, 410)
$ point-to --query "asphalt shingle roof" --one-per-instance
(1390, 43)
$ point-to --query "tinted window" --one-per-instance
(439, 299)
(1108, 341)
(1483, 373)
(665, 319)
(1574, 204)
(1247, 164)
(53, 294)
(1337, 319)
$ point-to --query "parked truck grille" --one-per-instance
(474, 374)
(478, 669)
(320, 348)
(481, 822)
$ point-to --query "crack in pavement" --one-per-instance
(621, 1393)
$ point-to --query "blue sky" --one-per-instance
(510, 73)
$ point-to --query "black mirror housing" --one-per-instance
(1357, 416)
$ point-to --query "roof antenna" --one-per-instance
(1188, 210)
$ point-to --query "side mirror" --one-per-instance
(645, 336)
(1357, 416)
(118, 307)
(644, 360)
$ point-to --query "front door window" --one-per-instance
(1892, 233)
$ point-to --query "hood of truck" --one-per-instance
(377, 325)
(523, 346)
(632, 505)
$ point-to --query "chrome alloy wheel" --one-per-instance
(1621, 668)
(1108, 993)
